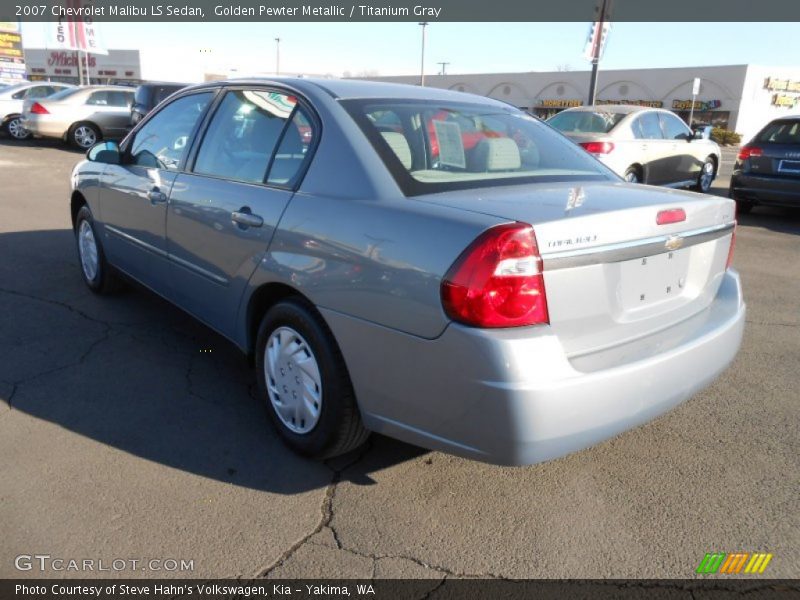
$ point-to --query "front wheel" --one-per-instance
(632, 175)
(16, 130)
(304, 383)
(84, 135)
(97, 273)
(706, 176)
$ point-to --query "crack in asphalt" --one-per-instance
(104, 336)
(326, 510)
(776, 324)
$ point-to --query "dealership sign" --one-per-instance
(784, 100)
(696, 104)
(571, 103)
(12, 60)
(782, 85)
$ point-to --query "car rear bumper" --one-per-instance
(780, 191)
(513, 397)
(44, 125)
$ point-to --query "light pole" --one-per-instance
(277, 56)
(444, 67)
(424, 24)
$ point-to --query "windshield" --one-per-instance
(582, 121)
(430, 146)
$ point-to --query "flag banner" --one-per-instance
(81, 33)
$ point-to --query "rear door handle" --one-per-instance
(247, 218)
(156, 196)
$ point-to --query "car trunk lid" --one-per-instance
(612, 273)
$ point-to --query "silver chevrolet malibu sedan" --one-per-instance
(434, 266)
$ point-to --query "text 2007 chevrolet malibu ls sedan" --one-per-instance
(433, 266)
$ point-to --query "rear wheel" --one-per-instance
(742, 206)
(304, 383)
(633, 175)
(97, 273)
(706, 176)
(84, 135)
(16, 130)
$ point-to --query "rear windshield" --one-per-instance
(430, 146)
(780, 132)
(65, 93)
(581, 121)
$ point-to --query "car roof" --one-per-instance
(356, 88)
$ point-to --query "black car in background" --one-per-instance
(148, 95)
(767, 170)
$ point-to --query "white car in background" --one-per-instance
(12, 99)
(643, 145)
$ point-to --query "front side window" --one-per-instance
(163, 141)
(430, 146)
(120, 99)
(673, 127)
(583, 121)
(244, 133)
(98, 99)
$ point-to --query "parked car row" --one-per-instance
(82, 115)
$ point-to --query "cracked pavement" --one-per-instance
(128, 430)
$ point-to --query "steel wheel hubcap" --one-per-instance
(16, 129)
(707, 175)
(293, 380)
(85, 136)
(87, 248)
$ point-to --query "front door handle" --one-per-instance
(246, 218)
(156, 196)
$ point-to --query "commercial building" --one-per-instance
(118, 66)
(741, 98)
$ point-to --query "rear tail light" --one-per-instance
(746, 152)
(497, 281)
(730, 250)
(597, 147)
(672, 215)
(38, 109)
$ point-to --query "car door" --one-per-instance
(111, 111)
(653, 148)
(223, 213)
(134, 198)
(680, 164)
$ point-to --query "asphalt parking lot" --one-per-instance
(129, 431)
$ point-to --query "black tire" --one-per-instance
(704, 182)
(339, 428)
(743, 207)
(633, 172)
(15, 129)
(104, 280)
(79, 135)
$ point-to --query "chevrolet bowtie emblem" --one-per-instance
(674, 242)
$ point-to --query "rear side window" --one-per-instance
(581, 121)
(673, 127)
(780, 132)
(65, 93)
(243, 134)
(40, 91)
(647, 127)
(162, 142)
(98, 99)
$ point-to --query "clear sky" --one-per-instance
(170, 51)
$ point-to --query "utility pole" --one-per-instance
(444, 66)
(596, 47)
(424, 24)
(277, 56)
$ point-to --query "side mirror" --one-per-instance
(105, 152)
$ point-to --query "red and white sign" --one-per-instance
(78, 33)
